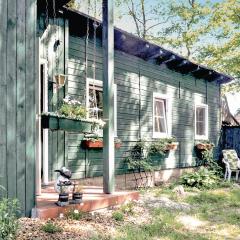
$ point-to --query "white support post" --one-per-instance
(108, 97)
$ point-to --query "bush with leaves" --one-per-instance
(210, 163)
(50, 227)
(202, 179)
(9, 213)
(138, 159)
(160, 146)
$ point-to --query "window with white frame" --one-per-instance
(94, 100)
(161, 116)
(201, 121)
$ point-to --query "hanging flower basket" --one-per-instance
(172, 146)
(66, 124)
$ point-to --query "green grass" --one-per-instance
(50, 227)
(218, 209)
(164, 225)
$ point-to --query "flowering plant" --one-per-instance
(72, 108)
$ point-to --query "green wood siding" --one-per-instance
(18, 74)
(136, 81)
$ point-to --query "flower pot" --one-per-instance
(118, 145)
(204, 146)
(63, 199)
(77, 197)
(93, 144)
(172, 146)
(70, 125)
(60, 79)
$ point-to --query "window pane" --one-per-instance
(201, 128)
(95, 102)
(160, 125)
(201, 121)
(160, 121)
(201, 114)
(159, 108)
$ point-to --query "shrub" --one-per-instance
(50, 227)
(160, 146)
(118, 216)
(9, 212)
(137, 159)
(211, 163)
(127, 208)
(75, 214)
(203, 178)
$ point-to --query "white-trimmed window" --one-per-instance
(94, 100)
(162, 123)
(201, 121)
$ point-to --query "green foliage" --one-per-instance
(75, 214)
(160, 146)
(128, 208)
(211, 163)
(9, 212)
(138, 159)
(118, 216)
(51, 227)
(203, 179)
(72, 111)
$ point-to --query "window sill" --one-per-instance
(160, 135)
(201, 137)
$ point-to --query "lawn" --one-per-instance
(161, 213)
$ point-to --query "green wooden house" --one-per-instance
(157, 94)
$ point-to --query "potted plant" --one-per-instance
(93, 143)
(163, 145)
(118, 143)
(71, 116)
(96, 142)
(77, 193)
(204, 145)
(63, 198)
(60, 79)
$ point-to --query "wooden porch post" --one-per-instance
(108, 97)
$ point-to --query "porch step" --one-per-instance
(92, 200)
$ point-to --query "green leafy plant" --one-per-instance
(203, 178)
(118, 216)
(75, 214)
(50, 227)
(138, 158)
(128, 208)
(73, 111)
(9, 213)
(160, 146)
(211, 163)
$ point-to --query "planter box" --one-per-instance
(93, 144)
(97, 144)
(172, 146)
(204, 146)
(70, 125)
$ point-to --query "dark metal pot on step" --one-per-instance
(77, 197)
(63, 199)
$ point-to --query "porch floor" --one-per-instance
(93, 199)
